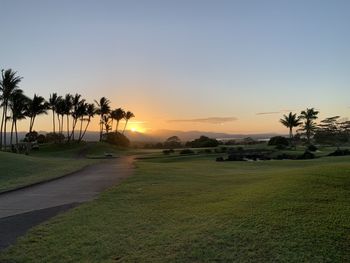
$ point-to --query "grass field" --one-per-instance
(20, 170)
(193, 209)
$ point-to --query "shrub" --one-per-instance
(54, 137)
(167, 152)
(186, 151)
(312, 148)
(202, 142)
(220, 159)
(340, 152)
(116, 138)
(41, 138)
(306, 155)
(31, 136)
(284, 156)
(172, 142)
(279, 141)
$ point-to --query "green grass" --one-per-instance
(20, 170)
(52, 161)
(193, 209)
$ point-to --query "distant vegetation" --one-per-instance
(332, 131)
(71, 116)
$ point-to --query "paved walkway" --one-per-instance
(25, 208)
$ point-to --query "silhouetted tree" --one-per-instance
(172, 142)
(290, 121)
(309, 125)
(127, 117)
(18, 103)
(68, 104)
(8, 85)
(118, 115)
(36, 106)
(76, 108)
(91, 111)
(103, 109)
(52, 105)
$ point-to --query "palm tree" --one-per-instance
(52, 105)
(18, 105)
(36, 106)
(68, 104)
(309, 116)
(60, 110)
(128, 116)
(90, 112)
(76, 106)
(102, 110)
(107, 122)
(80, 113)
(290, 121)
(118, 115)
(8, 85)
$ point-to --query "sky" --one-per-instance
(226, 66)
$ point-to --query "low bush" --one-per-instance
(312, 148)
(340, 152)
(116, 138)
(167, 152)
(306, 155)
(279, 141)
(186, 151)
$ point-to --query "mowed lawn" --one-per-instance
(193, 209)
(18, 170)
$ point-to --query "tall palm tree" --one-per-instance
(103, 109)
(60, 111)
(76, 107)
(8, 85)
(52, 105)
(118, 115)
(68, 101)
(91, 111)
(36, 106)
(309, 126)
(107, 122)
(18, 105)
(128, 116)
(290, 121)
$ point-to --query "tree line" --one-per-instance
(71, 114)
(333, 130)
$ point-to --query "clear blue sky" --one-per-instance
(185, 60)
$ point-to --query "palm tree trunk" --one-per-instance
(59, 123)
(2, 126)
(16, 136)
(116, 127)
(75, 121)
(308, 136)
(5, 124)
(68, 137)
(101, 127)
(53, 121)
(32, 119)
(81, 128)
(87, 125)
(62, 117)
(126, 123)
(12, 126)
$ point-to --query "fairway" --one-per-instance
(193, 209)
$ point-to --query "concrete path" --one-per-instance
(24, 208)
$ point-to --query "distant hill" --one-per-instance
(162, 135)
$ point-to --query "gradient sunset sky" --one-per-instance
(229, 66)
